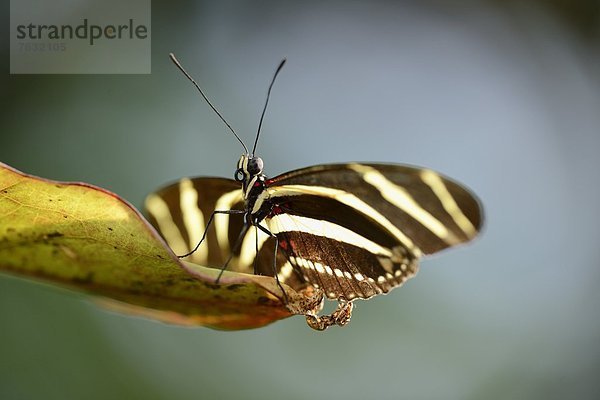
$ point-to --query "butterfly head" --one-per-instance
(249, 170)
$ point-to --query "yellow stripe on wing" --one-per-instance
(399, 197)
(169, 230)
(193, 219)
(435, 182)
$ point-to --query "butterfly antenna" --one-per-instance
(266, 103)
(178, 65)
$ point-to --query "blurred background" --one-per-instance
(503, 96)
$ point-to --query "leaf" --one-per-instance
(87, 238)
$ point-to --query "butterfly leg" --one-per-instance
(210, 220)
(268, 232)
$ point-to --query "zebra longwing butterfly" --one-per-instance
(350, 230)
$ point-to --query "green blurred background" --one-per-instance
(501, 95)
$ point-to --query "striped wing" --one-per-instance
(181, 211)
(356, 230)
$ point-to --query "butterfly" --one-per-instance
(351, 230)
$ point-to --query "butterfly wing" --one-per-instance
(356, 230)
(353, 230)
(181, 211)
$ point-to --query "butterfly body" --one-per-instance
(249, 173)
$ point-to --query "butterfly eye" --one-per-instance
(239, 175)
(255, 166)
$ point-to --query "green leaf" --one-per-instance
(87, 238)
